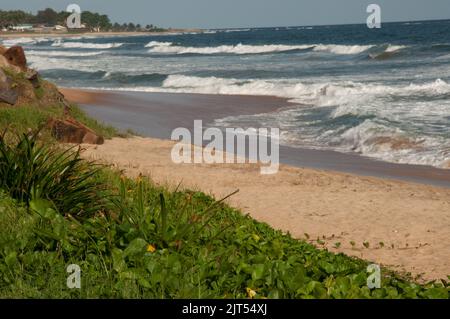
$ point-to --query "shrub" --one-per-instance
(32, 171)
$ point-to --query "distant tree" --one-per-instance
(47, 16)
(116, 27)
(131, 27)
(95, 21)
(12, 18)
(62, 17)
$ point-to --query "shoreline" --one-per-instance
(157, 114)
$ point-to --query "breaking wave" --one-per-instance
(225, 49)
(63, 53)
(86, 45)
(319, 94)
(169, 48)
(23, 41)
(342, 49)
(153, 44)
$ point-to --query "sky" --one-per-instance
(245, 13)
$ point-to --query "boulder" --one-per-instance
(70, 130)
(8, 93)
(16, 56)
(2, 49)
(4, 64)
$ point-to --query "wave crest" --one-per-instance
(86, 45)
(225, 49)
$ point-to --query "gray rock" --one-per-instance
(33, 77)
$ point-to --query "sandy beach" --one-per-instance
(400, 224)
(411, 221)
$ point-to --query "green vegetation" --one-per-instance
(25, 118)
(35, 173)
(148, 242)
(93, 21)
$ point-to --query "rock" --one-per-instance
(2, 50)
(8, 93)
(4, 64)
(16, 56)
(70, 130)
(33, 77)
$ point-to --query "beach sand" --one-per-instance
(411, 220)
(406, 224)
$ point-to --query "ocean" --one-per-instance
(382, 93)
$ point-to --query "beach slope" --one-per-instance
(398, 224)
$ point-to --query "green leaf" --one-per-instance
(136, 247)
(258, 271)
(43, 207)
(11, 259)
(119, 264)
(274, 294)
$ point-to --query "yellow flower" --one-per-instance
(250, 293)
(151, 248)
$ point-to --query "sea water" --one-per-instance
(382, 93)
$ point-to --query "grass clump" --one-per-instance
(31, 171)
(148, 242)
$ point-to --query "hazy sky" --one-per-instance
(245, 13)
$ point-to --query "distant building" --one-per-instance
(60, 28)
(22, 27)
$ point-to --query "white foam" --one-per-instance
(236, 30)
(342, 49)
(394, 48)
(24, 40)
(158, 44)
(86, 45)
(63, 53)
(394, 145)
(227, 49)
(344, 95)
(165, 47)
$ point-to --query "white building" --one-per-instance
(60, 28)
(22, 27)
